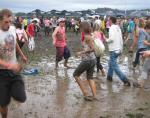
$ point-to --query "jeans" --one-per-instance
(113, 66)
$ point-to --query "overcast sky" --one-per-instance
(71, 5)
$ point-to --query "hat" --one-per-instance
(36, 19)
(61, 20)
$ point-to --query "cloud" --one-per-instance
(46, 5)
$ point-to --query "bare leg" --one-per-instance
(65, 63)
(84, 91)
(93, 87)
(4, 111)
(56, 65)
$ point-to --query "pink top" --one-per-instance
(47, 22)
(61, 37)
(20, 33)
(99, 35)
(108, 24)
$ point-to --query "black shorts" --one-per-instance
(87, 66)
(11, 85)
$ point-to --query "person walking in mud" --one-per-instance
(115, 45)
(146, 57)
(131, 33)
(47, 27)
(22, 37)
(100, 35)
(141, 36)
(11, 83)
(60, 42)
(87, 64)
(31, 34)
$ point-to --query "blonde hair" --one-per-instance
(141, 23)
(96, 27)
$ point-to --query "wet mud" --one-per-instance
(55, 94)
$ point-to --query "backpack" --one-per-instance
(131, 27)
(99, 47)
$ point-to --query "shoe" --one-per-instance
(109, 78)
(127, 83)
(88, 98)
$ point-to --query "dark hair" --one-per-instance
(18, 25)
(148, 18)
(5, 12)
(113, 19)
(147, 26)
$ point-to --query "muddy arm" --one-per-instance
(54, 35)
(21, 53)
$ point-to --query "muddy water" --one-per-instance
(54, 93)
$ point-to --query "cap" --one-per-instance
(61, 20)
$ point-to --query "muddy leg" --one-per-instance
(93, 87)
(65, 63)
(81, 85)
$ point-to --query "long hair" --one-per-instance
(86, 27)
(96, 27)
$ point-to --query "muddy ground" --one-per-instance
(54, 93)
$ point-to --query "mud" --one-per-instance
(55, 94)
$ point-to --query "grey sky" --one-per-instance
(46, 5)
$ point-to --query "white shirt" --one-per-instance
(8, 45)
(115, 41)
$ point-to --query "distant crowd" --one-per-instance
(96, 33)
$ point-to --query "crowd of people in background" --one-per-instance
(118, 33)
